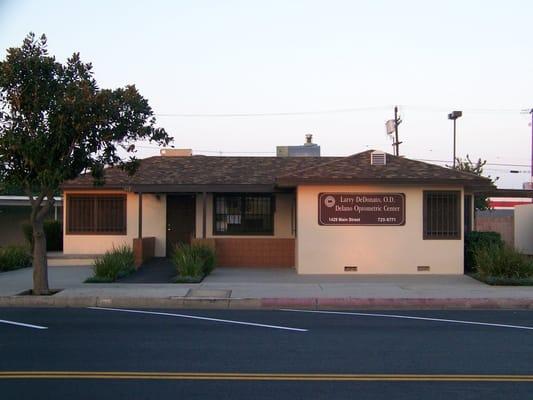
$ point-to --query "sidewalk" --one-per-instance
(267, 288)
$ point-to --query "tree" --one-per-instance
(467, 165)
(55, 123)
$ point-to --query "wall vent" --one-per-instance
(378, 158)
(350, 268)
(423, 268)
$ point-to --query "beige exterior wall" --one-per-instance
(523, 228)
(284, 224)
(154, 224)
(373, 249)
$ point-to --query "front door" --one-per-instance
(181, 220)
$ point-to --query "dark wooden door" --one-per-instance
(181, 220)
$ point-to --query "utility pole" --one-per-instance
(391, 126)
(397, 121)
(529, 185)
(531, 113)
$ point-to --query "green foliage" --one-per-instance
(494, 261)
(498, 281)
(60, 108)
(14, 257)
(474, 240)
(193, 260)
(476, 168)
(55, 123)
(114, 264)
(99, 279)
(53, 231)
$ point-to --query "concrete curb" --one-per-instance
(268, 303)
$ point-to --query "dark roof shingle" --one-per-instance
(158, 172)
(203, 170)
(358, 168)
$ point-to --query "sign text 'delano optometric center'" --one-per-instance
(361, 209)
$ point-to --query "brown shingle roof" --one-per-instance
(172, 173)
(203, 170)
(357, 168)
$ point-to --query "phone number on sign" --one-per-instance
(387, 219)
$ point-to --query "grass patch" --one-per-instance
(14, 257)
(189, 279)
(114, 264)
(193, 262)
(98, 279)
(499, 281)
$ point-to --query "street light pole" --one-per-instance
(453, 116)
(454, 141)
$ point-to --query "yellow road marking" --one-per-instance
(259, 376)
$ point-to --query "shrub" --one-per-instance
(475, 240)
(194, 260)
(14, 257)
(502, 262)
(53, 230)
(114, 264)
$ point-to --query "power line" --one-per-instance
(273, 114)
(273, 152)
(488, 163)
(421, 108)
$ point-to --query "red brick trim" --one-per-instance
(252, 252)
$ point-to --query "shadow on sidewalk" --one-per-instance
(157, 270)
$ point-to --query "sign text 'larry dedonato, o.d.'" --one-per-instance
(361, 209)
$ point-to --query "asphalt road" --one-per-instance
(110, 354)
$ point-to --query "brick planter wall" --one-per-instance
(249, 252)
(143, 249)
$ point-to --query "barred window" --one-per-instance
(442, 215)
(96, 214)
(243, 214)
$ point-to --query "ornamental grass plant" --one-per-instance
(193, 261)
(114, 264)
(502, 262)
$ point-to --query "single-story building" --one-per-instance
(369, 213)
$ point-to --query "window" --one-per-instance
(442, 215)
(243, 214)
(96, 214)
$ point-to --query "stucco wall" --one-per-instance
(154, 224)
(523, 228)
(373, 249)
(283, 218)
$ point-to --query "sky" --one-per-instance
(334, 69)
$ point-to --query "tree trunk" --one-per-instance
(40, 262)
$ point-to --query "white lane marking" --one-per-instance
(454, 321)
(228, 321)
(4, 321)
